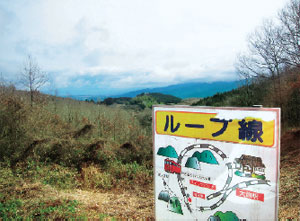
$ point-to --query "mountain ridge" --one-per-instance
(183, 90)
(189, 90)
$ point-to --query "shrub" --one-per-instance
(10, 209)
(13, 134)
(54, 209)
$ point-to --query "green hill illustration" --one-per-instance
(168, 151)
(206, 157)
(193, 163)
(164, 195)
(220, 216)
(175, 206)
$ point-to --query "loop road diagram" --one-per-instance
(216, 163)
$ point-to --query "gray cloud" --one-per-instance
(129, 44)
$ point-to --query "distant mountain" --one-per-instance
(188, 90)
(185, 90)
(86, 97)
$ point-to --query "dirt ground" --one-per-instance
(128, 204)
(133, 204)
(289, 196)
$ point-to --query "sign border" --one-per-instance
(276, 137)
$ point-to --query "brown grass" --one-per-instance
(289, 196)
(133, 204)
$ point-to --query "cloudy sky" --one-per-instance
(106, 47)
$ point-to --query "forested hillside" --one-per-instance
(270, 68)
(143, 100)
(54, 144)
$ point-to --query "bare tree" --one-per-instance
(32, 77)
(265, 57)
(290, 20)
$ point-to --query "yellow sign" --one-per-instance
(207, 126)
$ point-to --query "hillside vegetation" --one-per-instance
(62, 158)
(143, 100)
(65, 144)
(261, 93)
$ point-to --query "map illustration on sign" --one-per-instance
(216, 164)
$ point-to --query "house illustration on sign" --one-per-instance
(250, 166)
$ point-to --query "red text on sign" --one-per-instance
(204, 185)
(250, 195)
(199, 195)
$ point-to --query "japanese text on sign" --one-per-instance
(250, 194)
(209, 126)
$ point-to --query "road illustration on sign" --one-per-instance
(251, 168)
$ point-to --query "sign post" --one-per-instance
(216, 163)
